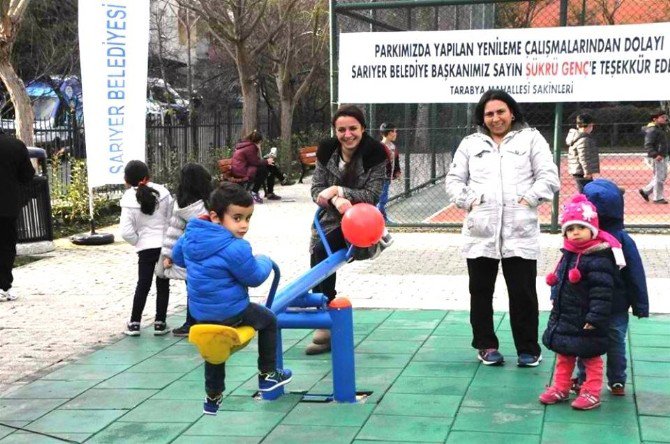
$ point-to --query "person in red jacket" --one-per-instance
(248, 163)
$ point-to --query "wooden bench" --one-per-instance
(307, 159)
(225, 166)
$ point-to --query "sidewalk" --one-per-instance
(78, 300)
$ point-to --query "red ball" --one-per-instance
(363, 225)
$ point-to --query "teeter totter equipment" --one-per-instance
(296, 306)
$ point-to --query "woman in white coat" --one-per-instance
(500, 175)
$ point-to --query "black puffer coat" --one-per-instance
(589, 300)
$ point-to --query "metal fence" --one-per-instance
(428, 134)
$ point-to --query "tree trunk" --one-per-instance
(250, 95)
(24, 116)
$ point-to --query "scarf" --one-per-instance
(574, 275)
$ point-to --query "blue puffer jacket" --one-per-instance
(630, 284)
(219, 268)
(589, 300)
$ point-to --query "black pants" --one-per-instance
(264, 321)
(145, 272)
(520, 275)
(581, 182)
(267, 174)
(8, 237)
(336, 240)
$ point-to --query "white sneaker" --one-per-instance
(11, 296)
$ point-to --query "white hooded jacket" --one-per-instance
(145, 231)
(490, 180)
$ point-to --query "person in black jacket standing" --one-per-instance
(15, 169)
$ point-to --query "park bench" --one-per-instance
(307, 159)
(225, 166)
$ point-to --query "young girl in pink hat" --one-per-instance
(582, 291)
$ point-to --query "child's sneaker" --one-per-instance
(552, 395)
(617, 389)
(160, 328)
(490, 356)
(132, 329)
(586, 401)
(181, 332)
(272, 196)
(257, 198)
(211, 405)
(576, 386)
(270, 381)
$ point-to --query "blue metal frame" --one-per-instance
(310, 310)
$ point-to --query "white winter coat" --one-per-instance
(494, 179)
(175, 228)
(145, 231)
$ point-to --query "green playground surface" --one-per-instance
(426, 384)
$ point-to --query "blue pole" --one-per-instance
(342, 346)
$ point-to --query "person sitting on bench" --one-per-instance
(248, 163)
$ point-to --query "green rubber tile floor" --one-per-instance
(423, 381)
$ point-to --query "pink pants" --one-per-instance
(594, 373)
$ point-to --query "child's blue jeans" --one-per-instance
(616, 351)
(384, 198)
(263, 320)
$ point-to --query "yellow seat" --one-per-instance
(217, 342)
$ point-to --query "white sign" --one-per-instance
(572, 64)
(114, 46)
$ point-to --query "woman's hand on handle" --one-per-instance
(325, 196)
(341, 204)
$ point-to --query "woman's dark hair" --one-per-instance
(195, 183)
(136, 174)
(254, 137)
(497, 94)
(350, 111)
(349, 173)
(227, 194)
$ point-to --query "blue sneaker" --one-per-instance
(490, 356)
(270, 381)
(211, 405)
(528, 360)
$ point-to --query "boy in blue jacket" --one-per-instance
(219, 268)
(630, 284)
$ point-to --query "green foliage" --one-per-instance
(69, 199)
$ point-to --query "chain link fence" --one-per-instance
(428, 134)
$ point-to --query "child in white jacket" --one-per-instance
(145, 211)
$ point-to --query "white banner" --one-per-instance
(114, 46)
(573, 64)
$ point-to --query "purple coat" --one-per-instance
(246, 160)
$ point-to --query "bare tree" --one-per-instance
(524, 14)
(298, 55)
(609, 9)
(11, 13)
(234, 24)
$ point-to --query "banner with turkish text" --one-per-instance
(570, 64)
(114, 45)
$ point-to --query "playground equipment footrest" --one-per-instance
(217, 342)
